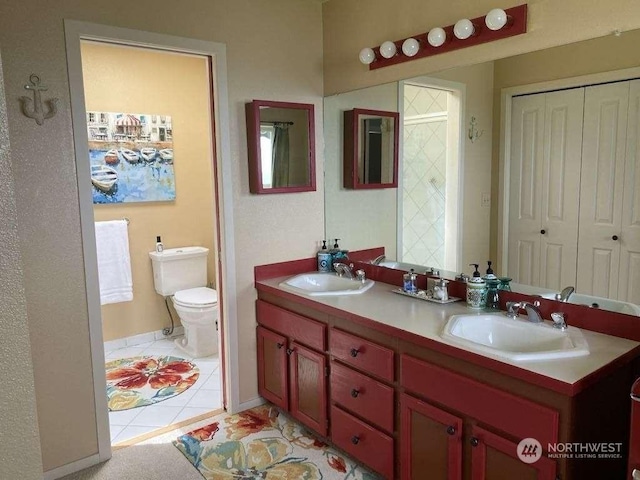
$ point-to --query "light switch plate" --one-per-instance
(486, 200)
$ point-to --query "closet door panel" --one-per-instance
(560, 184)
(527, 130)
(629, 289)
(603, 158)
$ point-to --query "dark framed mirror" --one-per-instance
(370, 148)
(281, 144)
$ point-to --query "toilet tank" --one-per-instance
(178, 269)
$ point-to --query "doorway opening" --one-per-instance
(429, 194)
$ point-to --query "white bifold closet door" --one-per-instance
(601, 189)
(629, 286)
(545, 164)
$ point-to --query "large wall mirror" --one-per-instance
(467, 182)
(370, 149)
(281, 146)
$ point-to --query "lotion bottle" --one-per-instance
(476, 290)
(159, 246)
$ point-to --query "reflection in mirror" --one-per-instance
(281, 147)
(370, 149)
(612, 283)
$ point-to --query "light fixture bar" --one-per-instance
(516, 25)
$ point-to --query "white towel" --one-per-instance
(114, 262)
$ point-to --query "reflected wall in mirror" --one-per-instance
(281, 146)
(370, 149)
(486, 203)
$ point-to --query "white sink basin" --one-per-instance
(316, 284)
(514, 339)
(603, 303)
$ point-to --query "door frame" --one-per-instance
(460, 94)
(506, 99)
(75, 32)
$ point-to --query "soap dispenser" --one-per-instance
(338, 255)
(492, 283)
(324, 259)
(476, 289)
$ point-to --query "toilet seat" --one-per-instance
(200, 297)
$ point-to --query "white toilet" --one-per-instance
(182, 274)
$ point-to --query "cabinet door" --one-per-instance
(601, 188)
(273, 376)
(431, 441)
(496, 458)
(308, 392)
(525, 190)
(629, 289)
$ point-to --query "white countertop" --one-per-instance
(428, 319)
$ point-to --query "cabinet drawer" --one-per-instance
(362, 354)
(362, 395)
(517, 416)
(370, 446)
(301, 329)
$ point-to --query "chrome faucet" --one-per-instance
(564, 295)
(378, 260)
(533, 312)
(342, 269)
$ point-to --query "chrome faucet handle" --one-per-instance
(559, 321)
(512, 309)
(361, 276)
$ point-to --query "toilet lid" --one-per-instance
(201, 296)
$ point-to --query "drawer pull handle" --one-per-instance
(451, 430)
(615, 237)
(355, 392)
(355, 439)
(279, 345)
(289, 351)
(354, 352)
(635, 475)
(474, 442)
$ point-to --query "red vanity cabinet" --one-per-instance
(292, 365)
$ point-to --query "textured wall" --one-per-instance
(348, 27)
(274, 52)
(183, 93)
(18, 396)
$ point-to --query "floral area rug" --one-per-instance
(263, 443)
(140, 381)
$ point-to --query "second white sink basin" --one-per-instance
(316, 284)
(514, 339)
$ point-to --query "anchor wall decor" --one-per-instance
(35, 108)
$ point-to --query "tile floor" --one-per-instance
(203, 397)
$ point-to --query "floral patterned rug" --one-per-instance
(140, 381)
(263, 443)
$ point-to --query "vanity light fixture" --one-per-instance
(495, 25)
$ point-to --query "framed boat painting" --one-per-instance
(131, 157)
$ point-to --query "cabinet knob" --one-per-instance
(355, 392)
(543, 231)
(474, 442)
(279, 345)
(451, 430)
(615, 237)
(354, 352)
(289, 351)
(355, 439)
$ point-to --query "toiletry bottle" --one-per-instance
(476, 289)
(337, 255)
(159, 246)
(324, 258)
(492, 282)
(409, 280)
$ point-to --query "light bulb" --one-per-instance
(463, 29)
(410, 47)
(436, 37)
(367, 55)
(496, 19)
(388, 49)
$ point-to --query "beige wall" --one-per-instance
(17, 400)
(123, 79)
(32, 39)
(348, 27)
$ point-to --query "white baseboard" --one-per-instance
(255, 402)
(71, 467)
(141, 338)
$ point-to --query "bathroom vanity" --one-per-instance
(371, 374)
